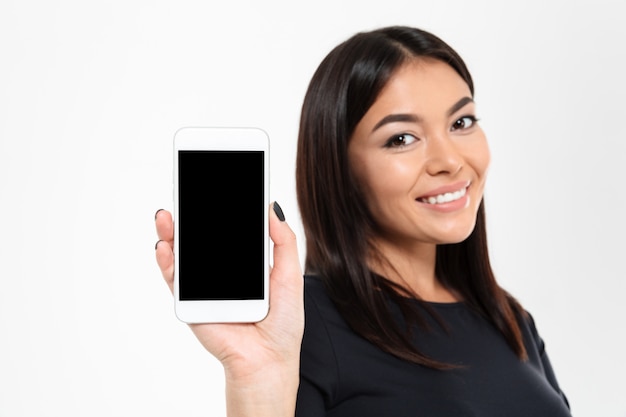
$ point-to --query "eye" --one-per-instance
(401, 140)
(464, 122)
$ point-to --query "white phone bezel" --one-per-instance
(222, 138)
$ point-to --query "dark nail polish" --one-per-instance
(157, 212)
(278, 211)
(156, 245)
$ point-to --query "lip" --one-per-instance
(451, 206)
(450, 188)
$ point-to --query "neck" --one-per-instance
(413, 268)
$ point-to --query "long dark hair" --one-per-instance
(337, 222)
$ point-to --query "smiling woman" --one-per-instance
(420, 159)
(404, 316)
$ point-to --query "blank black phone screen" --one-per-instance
(221, 219)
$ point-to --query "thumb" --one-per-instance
(286, 270)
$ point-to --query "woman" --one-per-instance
(403, 313)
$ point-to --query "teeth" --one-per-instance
(444, 198)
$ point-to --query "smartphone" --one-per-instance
(221, 238)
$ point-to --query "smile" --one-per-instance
(444, 198)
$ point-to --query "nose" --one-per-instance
(443, 156)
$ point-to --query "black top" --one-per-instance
(342, 374)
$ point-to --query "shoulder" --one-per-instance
(318, 357)
(314, 286)
(537, 354)
(320, 311)
(317, 303)
(332, 356)
(534, 343)
(329, 341)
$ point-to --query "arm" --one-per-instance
(261, 360)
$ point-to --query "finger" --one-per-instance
(164, 226)
(165, 260)
(286, 271)
(285, 245)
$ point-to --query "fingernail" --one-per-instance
(157, 245)
(278, 211)
(157, 212)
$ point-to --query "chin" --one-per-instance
(457, 235)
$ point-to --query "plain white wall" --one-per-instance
(91, 94)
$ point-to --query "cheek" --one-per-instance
(370, 187)
(377, 184)
(388, 200)
(479, 157)
(384, 180)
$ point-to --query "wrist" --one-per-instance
(266, 392)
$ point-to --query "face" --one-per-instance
(420, 156)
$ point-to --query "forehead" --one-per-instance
(421, 84)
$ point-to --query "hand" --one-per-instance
(263, 355)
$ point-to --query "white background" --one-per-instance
(91, 94)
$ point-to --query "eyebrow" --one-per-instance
(400, 117)
(459, 105)
(408, 117)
